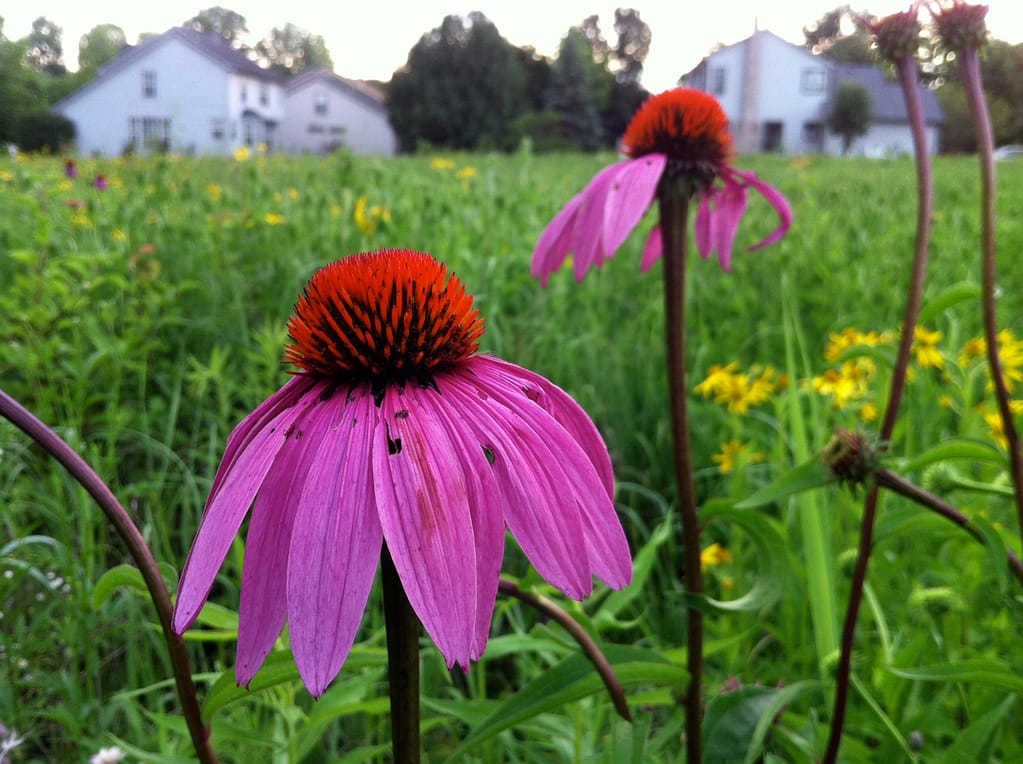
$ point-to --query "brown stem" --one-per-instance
(906, 67)
(580, 635)
(402, 665)
(970, 67)
(140, 553)
(674, 209)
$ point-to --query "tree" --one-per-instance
(850, 113)
(44, 51)
(99, 45)
(462, 87)
(290, 50)
(840, 35)
(222, 22)
(574, 94)
(633, 45)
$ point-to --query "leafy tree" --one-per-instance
(290, 50)
(20, 88)
(99, 45)
(538, 74)
(624, 100)
(840, 36)
(222, 22)
(462, 87)
(632, 46)
(575, 93)
(44, 131)
(850, 114)
(44, 51)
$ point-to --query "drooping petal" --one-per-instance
(485, 505)
(422, 499)
(225, 510)
(264, 607)
(335, 542)
(717, 220)
(777, 200)
(630, 196)
(653, 249)
(556, 240)
(588, 235)
(546, 456)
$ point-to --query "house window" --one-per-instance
(218, 129)
(151, 133)
(149, 84)
(245, 94)
(264, 95)
(812, 81)
(813, 134)
(717, 80)
(320, 103)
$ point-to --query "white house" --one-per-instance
(777, 96)
(326, 112)
(182, 91)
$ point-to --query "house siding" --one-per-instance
(349, 120)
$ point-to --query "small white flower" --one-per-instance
(107, 756)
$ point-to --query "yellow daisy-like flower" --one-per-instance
(119, 235)
(868, 412)
(925, 346)
(839, 342)
(730, 454)
(848, 383)
(215, 191)
(466, 173)
(293, 194)
(994, 422)
(367, 217)
(6, 176)
(262, 148)
(713, 555)
(716, 379)
(335, 210)
(972, 350)
(439, 163)
(273, 218)
(242, 154)
(81, 220)
(738, 390)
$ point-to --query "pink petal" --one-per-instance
(653, 249)
(556, 240)
(775, 198)
(718, 218)
(243, 475)
(422, 491)
(264, 606)
(588, 234)
(632, 191)
(703, 227)
(335, 542)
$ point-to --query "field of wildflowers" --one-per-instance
(143, 311)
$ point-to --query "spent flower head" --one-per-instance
(897, 36)
(677, 143)
(395, 430)
(960, 25)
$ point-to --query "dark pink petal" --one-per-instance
(556, 240)
(485, 504)
(422, 494)
(588, 235)
(631, 193)
(335, 542)
(226, 509)
(775, 198)
(717, 220)
(563, 487)
(653, 249)
(264, 606)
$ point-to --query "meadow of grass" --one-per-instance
(143, 321)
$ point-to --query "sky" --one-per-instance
(370, 39)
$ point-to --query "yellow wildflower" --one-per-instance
(731, 453)
(367, 217)
(273, 218)
(713, 555)
(293, 194)
(994, 422)
(716, 377)
(868, 412)
(439, 163)
(972, 350)
(6, 176)
(262, 148)
(119, 235)
(850, 382)
(839, 342)
(81, 219)
(925, 345)
(466, 173)
(242, 154)
(215, 191)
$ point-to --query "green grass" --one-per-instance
(143, 322)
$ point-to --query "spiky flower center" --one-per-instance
(383, 317)
(961, 26)
(690, 128)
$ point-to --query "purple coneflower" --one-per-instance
(395, 431)
(679, 136)
(70, 169)
(101, 183)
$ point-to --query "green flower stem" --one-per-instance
(402, 665)
(580, 635)
(969, 60)
(898, 484)
(119, 518)
(907, 71)
(674, 209)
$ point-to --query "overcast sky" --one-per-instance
(369, 39)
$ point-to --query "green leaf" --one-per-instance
(962, 292)
(573, 679)
(772, 554)
(121, 575)
(729, 723)
(996, 551)
(955, 448)
(979, 736)
(984, 671)
(642, 565)
(807, 476)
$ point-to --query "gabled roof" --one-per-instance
(370, 95)
(888, 102)
(211, 46)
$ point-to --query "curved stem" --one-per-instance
(970, 66)
(402, 665)
(140, 553)
(907, 71)
(580, 635)
(674, 209)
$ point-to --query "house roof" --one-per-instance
(888, 102)
(370, 95)
(212, 46)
